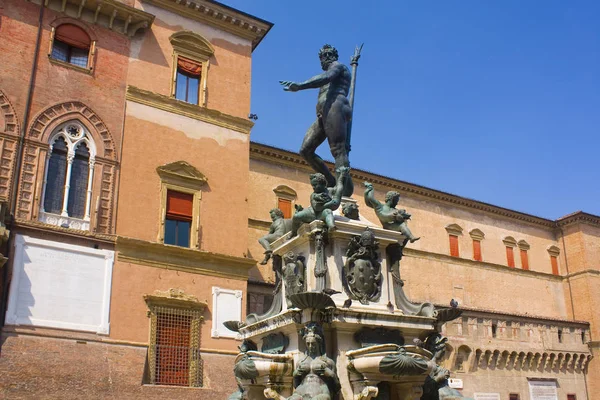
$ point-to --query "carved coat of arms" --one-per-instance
(362, 270)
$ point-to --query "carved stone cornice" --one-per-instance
(258, 224)
(43, 227)
(177, 258)
(194, 111)
(112, 14)
(182, 173)
(578, 217)
(294, 160)
(174, 298)
(220, 16)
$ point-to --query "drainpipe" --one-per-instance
(19, 161)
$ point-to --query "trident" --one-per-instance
(354, 63)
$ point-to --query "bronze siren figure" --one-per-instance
(334, 113)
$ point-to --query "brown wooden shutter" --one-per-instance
(554, 262)
(477, 250)
(189, 66)
(285, 206)
(180, 205)
(454, 246)
(510, 256)
(73, 36)
(524, 260)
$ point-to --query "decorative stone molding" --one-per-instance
(477, 234)
(182, 173)
(523, 245)
(194, 111)
(61, 112)
(509, 241)
(182, 259)
(578, 217)
(285, 192)
(174, 298)
(11, 121)
(554, 251)
(64, 221)
(188, 43)
(454, 229)
(219, 16)
(112, 14)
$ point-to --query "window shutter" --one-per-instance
(73, 36)
(477, 250)
(454, 246)
(285, 206)
(188, 66)
(510, 256)
(524, 260)
(554, 262)
(180, 205)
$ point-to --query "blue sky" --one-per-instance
(498, 101)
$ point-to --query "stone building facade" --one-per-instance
(115, 120)
(127, 251)
(527, 285)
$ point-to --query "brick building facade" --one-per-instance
(126, 251)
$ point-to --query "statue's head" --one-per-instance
(367, 238)
(392, 198)
(350, 210)
(314, 339)
(289, 257)
(276, 213)
(327, 55)
(318, 182)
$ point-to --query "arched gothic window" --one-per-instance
(68, 181)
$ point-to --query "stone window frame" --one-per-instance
(72, 142)
(93, 40)
(286, 193)
(176, 302)
(454, 230)
(523, 254)
(181, 176)
(196, 48)
(510, 243)
(477, 235)
(554, 253)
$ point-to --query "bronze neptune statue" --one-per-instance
(334, 115)
(315, 377)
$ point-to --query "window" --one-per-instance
(477, 237)
(191, 61)
(560, 336)
(554, 252)
(174, 349)
(187, 81)
(454, 231)
(67, 192)
(71, 44)
(180, 204)
(513, 396)
(523, 248)
(178, 218)
(571, 397)
(259, 303)
(510, 243)
(494, 330)
(285, 199)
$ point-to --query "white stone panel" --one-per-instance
(60, 285)
(227, 306)
(542, 390)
